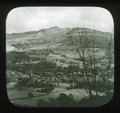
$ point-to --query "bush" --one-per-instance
(66, 101)
(30, 95)
(95, 101)
(47, 88)
(62, 101)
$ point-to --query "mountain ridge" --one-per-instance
(53, 37)
(54, 27)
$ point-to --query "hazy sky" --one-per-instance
(34, 18)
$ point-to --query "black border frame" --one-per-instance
(6, 6)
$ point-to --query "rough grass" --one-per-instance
(21, 98)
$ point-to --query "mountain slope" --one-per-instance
(53, 38)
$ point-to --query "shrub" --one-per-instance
(95, 101)
(47, 88)
(30, 95)
(66, 101)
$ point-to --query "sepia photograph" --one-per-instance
(59, 56)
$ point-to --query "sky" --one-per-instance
(23, 19)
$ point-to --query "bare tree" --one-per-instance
(81, 49)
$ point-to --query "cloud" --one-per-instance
(34, 18)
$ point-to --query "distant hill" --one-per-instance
(54, 38)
